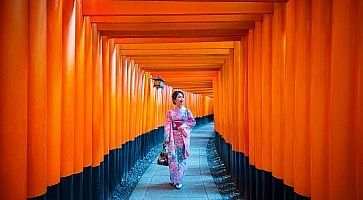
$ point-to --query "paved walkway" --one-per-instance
(198, 182)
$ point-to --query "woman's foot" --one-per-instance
(172, 183)
(178, 186)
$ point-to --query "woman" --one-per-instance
(178, 124)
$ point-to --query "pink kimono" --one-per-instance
(178, 141)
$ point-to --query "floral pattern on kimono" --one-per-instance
(178, 141)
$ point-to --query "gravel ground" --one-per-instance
(125, 188)
(224, 182)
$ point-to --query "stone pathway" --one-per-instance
(198, 182)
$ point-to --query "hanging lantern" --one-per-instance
(158, 82)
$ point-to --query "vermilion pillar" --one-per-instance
(302, 98)
(106, 92)
(54, 89)
(97, 107)
(68, 88)
(344, 101)
(277, 94)
(320, 91)
(266, 80)
(257, 94)
(37, 100)
(79, 88)
(88, 95)
(289, 97)
(13, 100)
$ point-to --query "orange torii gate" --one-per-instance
(281, 78)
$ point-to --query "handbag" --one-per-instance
(163, 157)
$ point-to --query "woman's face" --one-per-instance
(179, 99)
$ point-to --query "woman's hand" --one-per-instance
(182, 127)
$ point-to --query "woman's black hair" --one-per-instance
(175, 94)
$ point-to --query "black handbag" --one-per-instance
(163, 157)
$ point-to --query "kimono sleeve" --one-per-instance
(190, 119)
(167, 126)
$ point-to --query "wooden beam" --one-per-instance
(175, 57)
(193, 45)
(174, 26)
(178, 61)
(206, 93)
(109, 7)
(175, 84)
(179, 78)
(192, 87)
(195, 91)
(147, 39)
(196, 88)
(188, 79)
(176, 18)
(175, 33)
(179, 69)
(201, 93)
(176, 52)
(185, 73)
(193, 68)
(191, 82)
(171, 78)
(199, 89)
(179, 65)
(269, 1)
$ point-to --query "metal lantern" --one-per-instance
(158, 82)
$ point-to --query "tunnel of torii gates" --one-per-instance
(282, 81)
